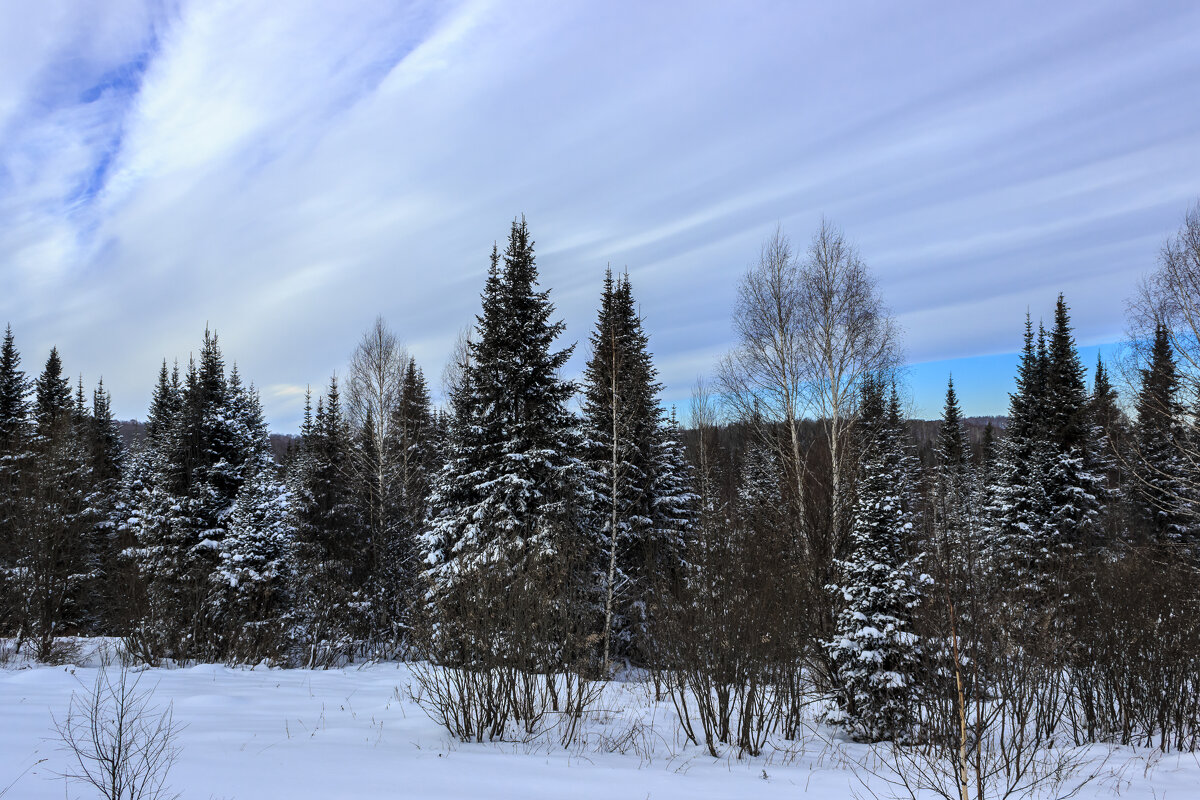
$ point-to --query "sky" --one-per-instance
(285, 172)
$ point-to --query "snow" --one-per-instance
(355, 733)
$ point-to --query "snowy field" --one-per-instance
(355, 733)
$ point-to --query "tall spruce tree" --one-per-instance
(674, 518)
(1109, 435)
(55, 515)
(329, 537)
(987, 463)
(627, 447)
(413, 439)
(14, 397)
(510, 539)
(106, 456)
(206, 437)
(954, 484)
(1074, 491)
(951, 450)
(143, 509)
(15, 434)
(254, 573)
(874, 649)
(1160, 485)
(1020, 506)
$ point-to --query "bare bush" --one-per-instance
(110, 652)
(121, 744)
(1135, 665)
(730, 651)
(471, 704)
(509, 659)
(59, 651)
(989, 716)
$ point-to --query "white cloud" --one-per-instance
(284, 173)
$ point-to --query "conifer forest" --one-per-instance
(983, 603)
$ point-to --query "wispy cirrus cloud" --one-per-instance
(284, 174)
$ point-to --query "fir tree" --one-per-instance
(626, 441)
(874, 649)
(15, 434)
(509, 538)
(1020, 507)
(1073, 490)
(328, 534)
(52, 560)
(1160, 485)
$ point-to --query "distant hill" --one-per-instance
(925, 431)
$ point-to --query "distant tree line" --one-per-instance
(799, 537)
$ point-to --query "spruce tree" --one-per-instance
(1021, 507)
(52, 560)
(14, 397)
(951, 449)
(674, 514)
(1160, 483)
(874, 649)
(15, 434)
(413, 438)
(207, 437)
(1073, 489)
(329, 536)
(987, 456)
(106, 457)
(164, 403)
(954, 485)
(143, 510)
(1110, 432)
(626, 448)
(255, 571)
(509, 541)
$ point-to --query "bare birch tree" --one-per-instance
(763, 376)
(374, 390)
(847, 335)
(375, 382)
(615, 476)
(809, 332)
(455, 371)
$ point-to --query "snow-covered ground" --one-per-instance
(355, 733)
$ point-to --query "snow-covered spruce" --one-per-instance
(874, 649)
(512, 546)
(638, 473)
